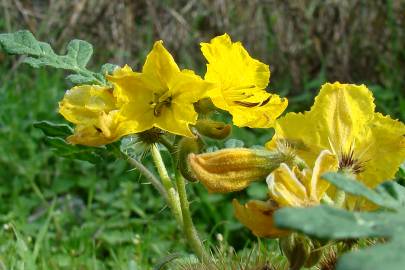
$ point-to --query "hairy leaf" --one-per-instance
(41, 54)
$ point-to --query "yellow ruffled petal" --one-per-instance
(259, 116)
(337, 118)
(258, 217)
(240, 84)
(342, 119)
(228, 60)
(382, 150)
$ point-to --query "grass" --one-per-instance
(58, 213)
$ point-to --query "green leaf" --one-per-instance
(80, 51)
(384, 256)
(80, 79)
(326, 222)
(389, 195)
(66, 150)
(20, 42)
(54, 130)
(41, 54)
(108, 68)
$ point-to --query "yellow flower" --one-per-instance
(161, 95)
(369, 145)
(287, 187)
(240, 84)
(94, 111)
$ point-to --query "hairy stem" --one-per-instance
(148, 175)
(172, 196)
(188, 226)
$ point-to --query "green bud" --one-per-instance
(213, 129)
(187, 146)
(204, 106)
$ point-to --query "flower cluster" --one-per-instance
(163, 96)
(342, 132)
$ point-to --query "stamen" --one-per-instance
(160, 103)
(348, 161)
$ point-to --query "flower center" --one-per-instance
(349, 163)
(159, 102)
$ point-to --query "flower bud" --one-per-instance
(213, 129)
(233, 169)
(204, 106)
(185, 147)
(315, 256)
(297, 249)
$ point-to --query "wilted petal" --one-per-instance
(258, 217)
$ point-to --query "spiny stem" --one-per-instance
(173, 197)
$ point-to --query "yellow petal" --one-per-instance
(285, 188)
(84, 103)
(259, 116)
(169, 122)
(188, 88)
(258, 217)
(160, 65)
(129, 85)
(326, 162)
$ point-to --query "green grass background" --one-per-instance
(58, 213)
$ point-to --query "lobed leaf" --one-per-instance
(41, 54)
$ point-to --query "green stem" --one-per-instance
(188, 226)
(148, 175)
(173, 197)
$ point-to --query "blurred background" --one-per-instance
(105, 216)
